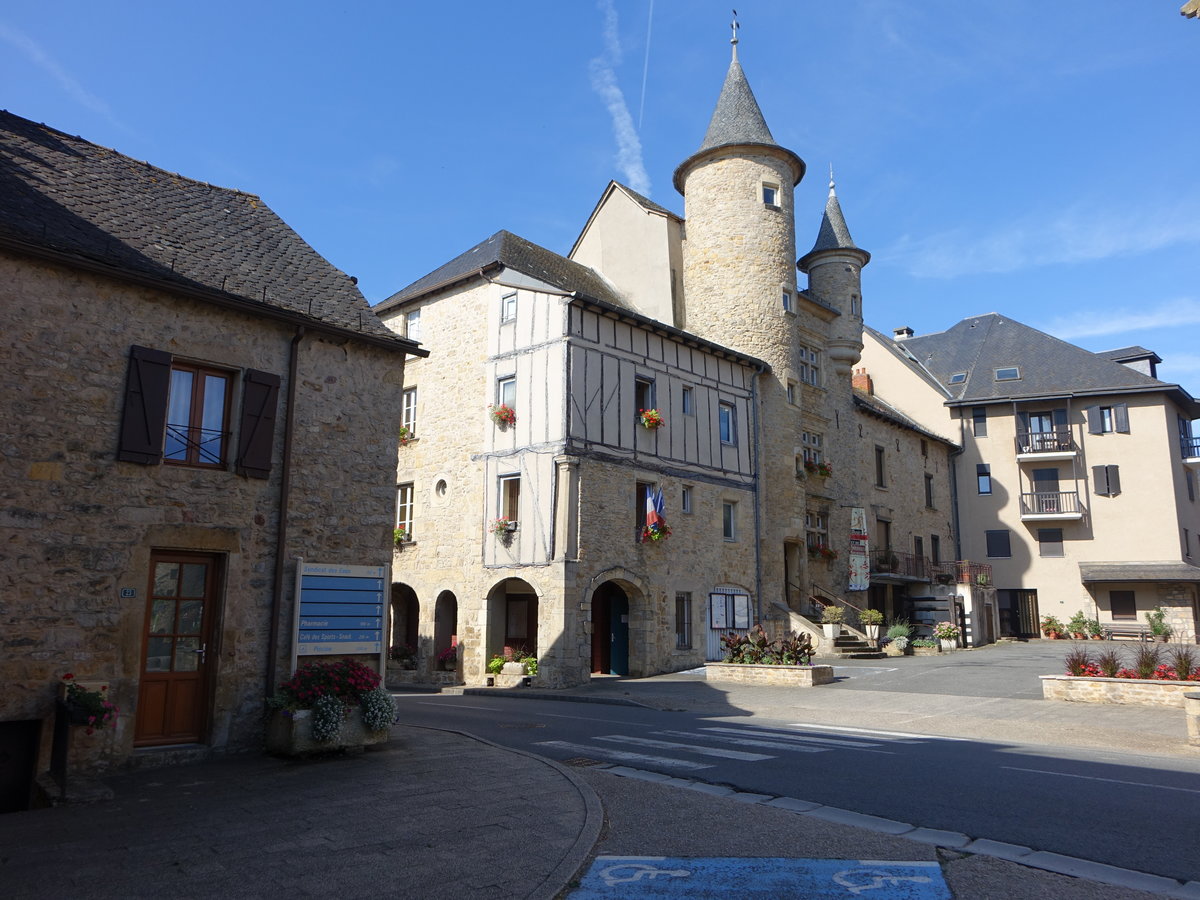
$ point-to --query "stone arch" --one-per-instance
(623, 632)
(512, 618)
(405, 611)
(445, 622)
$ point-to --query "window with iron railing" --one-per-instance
(197, 416)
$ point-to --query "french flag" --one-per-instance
(655, 510)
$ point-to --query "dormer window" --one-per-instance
(958, 377)
(770, 195)
(1009, 373)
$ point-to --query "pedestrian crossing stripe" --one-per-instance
(665, 762)
(803, 739)
(691, 748)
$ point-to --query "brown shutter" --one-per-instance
(256, 434)
(144, 418)
(1095, 426)
(1114, 480)
(1121, 415)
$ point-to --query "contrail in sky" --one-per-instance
(646, 64)
(604, 83)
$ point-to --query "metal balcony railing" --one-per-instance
(1051, 503)
(1190, 447)
(899, 562)
(1057, 441)
(963, 571)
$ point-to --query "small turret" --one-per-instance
(834, 268)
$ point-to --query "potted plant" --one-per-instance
(503, 415)
(87, 707)
(495, 665)
(448, 658)
(660, 531)
(1077, 625)
(1156, 618)
(947, 634)
(406, 435)
(329, 706)
(404, 655)
(983, 579)
(401, 536)
(897, 638)
(831, 621)
(502, 527)
(871, 619)
(1095, 632)
(1052, 627)
(823, 470)
(925, 647)
(651, 419)
(822, 552)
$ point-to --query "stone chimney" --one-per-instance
(903, 333)
(862, 382)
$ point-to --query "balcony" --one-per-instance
(963, 571)
(1046, 445)
(1190, 446)
(1051, 505)
(900, 565)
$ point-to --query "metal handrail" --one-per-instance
(1050, 503)
(1057, 441)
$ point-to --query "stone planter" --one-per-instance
(290, 734)
(948, 646)
(926, 651)
(513, 668)
(1135, 691)
(893, 650)
(831, 630)
(791, 676)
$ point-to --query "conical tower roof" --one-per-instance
(737, 122)
(834, 234)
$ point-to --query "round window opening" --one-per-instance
(440, 487)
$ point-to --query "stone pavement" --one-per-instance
(431, 814)
(437, 814)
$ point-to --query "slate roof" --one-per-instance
(884, 410)
(505, 249)
(79, 201)
(834, 234)
(1127, 354)
(737, 120)
(1094, 572)
(646, 202)
(1048, 367)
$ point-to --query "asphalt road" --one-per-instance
(1127, 810)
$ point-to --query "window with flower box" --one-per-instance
(404, 508)
(816, 530)
(811, 443)
(408, 412)
(510, 498)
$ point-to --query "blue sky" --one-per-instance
(1030, 158)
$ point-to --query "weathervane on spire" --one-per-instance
(734, 40)
(831, 178)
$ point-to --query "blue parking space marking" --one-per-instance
(814, 879)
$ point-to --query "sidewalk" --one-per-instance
(431, 814)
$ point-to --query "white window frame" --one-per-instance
(729, 528)
(509, 498)
(408, 411)
(788, 305)
(770, 194)
(412, 325)
(685, 499)
(405, 496)
(506, 391)
(727, 424)
(508, 308)
(688, 401)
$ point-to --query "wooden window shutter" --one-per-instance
(1060, 417)
(1100, 480)
(256, 433)
(1121, 418)
(1114, 480)
(1095, 425)
(144, 418)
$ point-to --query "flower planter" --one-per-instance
(290, 734)
(872, 632)
(792, 676)
(1135, 691)
(832, 631)
(926, 651)
(948, 646)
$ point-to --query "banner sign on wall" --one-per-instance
(860, 562)
(340, 609)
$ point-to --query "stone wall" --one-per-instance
(783, 676)
(1135, 691)
(77, 526)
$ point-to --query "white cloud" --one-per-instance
(1183, 362)
(1071, 237)
(1172, 314)
(604, 83)
(51, 67)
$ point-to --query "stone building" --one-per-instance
(192, 398)
(1077, 482)
(529, 535)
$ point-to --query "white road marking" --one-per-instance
(456, 706)
(690, 748)
(898, 734)
(1161, 787)
(797, 738)
(749, 742)
(623, 756)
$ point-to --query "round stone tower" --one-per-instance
(834, 268)
(740, 236)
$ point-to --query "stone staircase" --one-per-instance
(851, 646)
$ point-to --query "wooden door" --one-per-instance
(177, 648)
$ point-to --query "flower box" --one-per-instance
(1134, 691)
(290, 733)
(748, 673)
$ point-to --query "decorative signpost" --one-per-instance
(339, 610)
(860, 563)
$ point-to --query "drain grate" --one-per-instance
(581, 761)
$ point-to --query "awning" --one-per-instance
(1093, 572)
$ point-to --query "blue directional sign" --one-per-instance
(625, 877)
(341, 609)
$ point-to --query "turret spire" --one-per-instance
(734, 40)
(834, 234)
